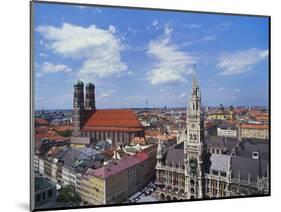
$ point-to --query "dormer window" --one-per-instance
(255, 155)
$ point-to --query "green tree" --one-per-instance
(66, 133)
(68, 194)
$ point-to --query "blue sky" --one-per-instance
(134, 56)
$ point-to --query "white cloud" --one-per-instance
(172, 64)
(100, 50)
(206, 38)
(112, 29)
(39, 74)
(193, 26)
(66, 96)
(155, 23)
(183, 95)
(48, 68)
(209, 37)
(168, 29)
(97, 10)
(221, 89)
(136, 98)
(132, 30)
(43, 55)
(107, 93)
(237, 90)
(241, 61)
(104, 94)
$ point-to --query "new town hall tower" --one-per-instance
(194, 145)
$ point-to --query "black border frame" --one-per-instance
(31, 102)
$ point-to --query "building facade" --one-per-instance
(189, 171)
(259, 131)
(117, 181)
(227, 130)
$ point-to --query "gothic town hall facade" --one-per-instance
(187, 171)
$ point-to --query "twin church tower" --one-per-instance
(79, 107)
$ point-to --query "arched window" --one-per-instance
(192, 182)
(162, 197)
(192, 190)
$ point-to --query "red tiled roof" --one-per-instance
(119, 120)
(41, 129)
(63, 128)
(255, 112)
(40, 136)
(254, 126)
(57, 138)
(41, 121)
(52, 136)
(110, 129)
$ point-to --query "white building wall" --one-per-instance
(41, 166)
(226, 132)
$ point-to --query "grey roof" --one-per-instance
(225, 125)
(175, 155)
(103, 145)
(60, 154)
(85, 164)
(42, 183)
(248, 167)
(90, 151)
(228, 144)
(68, 156)
(220, 162)
(255, 144)
(248, 146)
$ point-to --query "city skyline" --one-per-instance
(135, 56)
